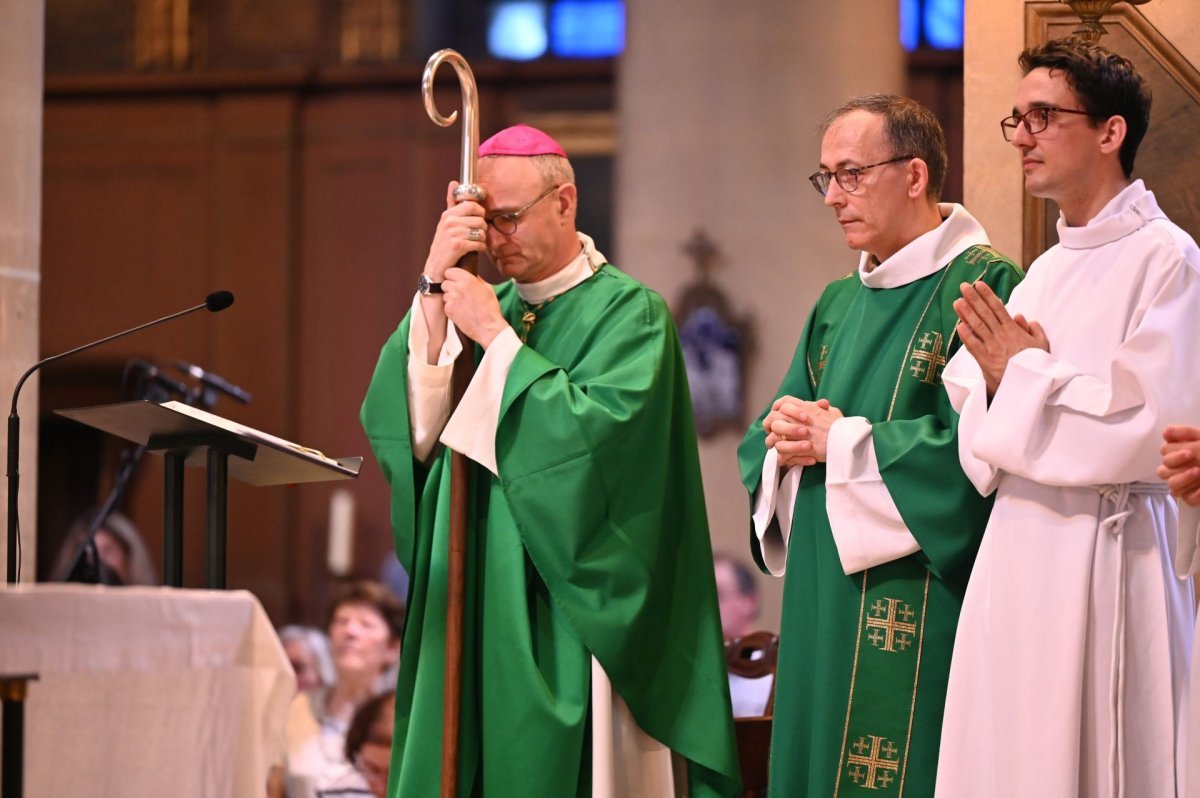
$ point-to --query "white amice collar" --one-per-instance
(926, 253)
(1125, 213)
(582, 266)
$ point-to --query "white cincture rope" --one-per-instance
(1115, 524)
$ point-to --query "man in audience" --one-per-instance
(737, 596)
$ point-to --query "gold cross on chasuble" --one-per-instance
(873, 762)
(884, 683)
(891, 624)
(927, 358)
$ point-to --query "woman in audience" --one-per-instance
(308, 651)
(364, 627)
(119, 546)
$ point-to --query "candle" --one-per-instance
(341, 532)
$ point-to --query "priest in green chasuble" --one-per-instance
(856, 489)
(592, 642)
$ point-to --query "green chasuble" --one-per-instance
(592, 542)
(864, 658)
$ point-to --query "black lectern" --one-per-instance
(188, 435)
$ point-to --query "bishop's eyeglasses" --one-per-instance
(1036, 120)
(506, 223)
(847, 176)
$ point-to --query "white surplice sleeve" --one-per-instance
(964, 383)
(774, 503)
(866, 524)
(472, 428)
(1054, 423)
(428, 385)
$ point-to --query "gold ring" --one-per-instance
(475, 234)
(783, 436)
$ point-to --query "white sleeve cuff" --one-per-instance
(428, 386)
(1187, 551)
(968, 395)
(472, 428)
(866, 524)
(774, 503)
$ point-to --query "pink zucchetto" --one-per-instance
(521, 140)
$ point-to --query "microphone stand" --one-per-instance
(214, 302)
(86, 565)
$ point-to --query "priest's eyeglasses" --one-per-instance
(506, 223)
(847, 176)
(1035, 120)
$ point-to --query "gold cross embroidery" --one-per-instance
(891, 625)
(975, 254)
(927, 358)
(873, 764)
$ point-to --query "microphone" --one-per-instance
(153, 381)
(214, 381)
(214, 303)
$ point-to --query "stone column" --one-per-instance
(718, 108)
(21, 85)
(993, 187)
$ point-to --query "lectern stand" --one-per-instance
(189, 436)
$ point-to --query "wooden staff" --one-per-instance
(464, 369)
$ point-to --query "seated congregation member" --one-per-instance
(737, 597)
(119, 546)
(365, 624)
(308, 652)
(369, 741)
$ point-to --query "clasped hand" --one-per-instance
(991, 335)
(1180, 467)
(471, 303)
(798, 430)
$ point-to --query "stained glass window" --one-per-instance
(523, 30)
(931, 23)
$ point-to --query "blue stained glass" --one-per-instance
(944, 24)
(517, 30)
(587, 28)
(910, 24)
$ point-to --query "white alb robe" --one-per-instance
(1071, 657)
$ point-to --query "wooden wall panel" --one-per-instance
(126, 240)
(254, 255)
(148, 208)
(375, 170)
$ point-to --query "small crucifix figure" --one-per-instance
(703, 251)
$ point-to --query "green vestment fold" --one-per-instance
(592, 542)
(864, 658)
